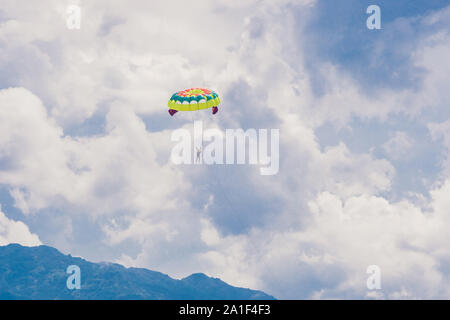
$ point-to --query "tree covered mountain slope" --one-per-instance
(40, 273)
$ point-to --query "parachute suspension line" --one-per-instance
(237, 214)
(223, 191)
(196, 99)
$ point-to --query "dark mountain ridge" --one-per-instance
(40, 273)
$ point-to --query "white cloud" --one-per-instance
(441, 132)
(99, 174)
(399, 145)
(409, 245)
(16, 232)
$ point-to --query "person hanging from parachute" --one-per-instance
(199, 152)
(194, 99)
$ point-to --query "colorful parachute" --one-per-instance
(194, 99)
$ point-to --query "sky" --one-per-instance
(364, 120)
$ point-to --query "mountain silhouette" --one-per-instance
(40, 273)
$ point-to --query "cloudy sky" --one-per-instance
(364, 120)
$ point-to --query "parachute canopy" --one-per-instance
(194, 99)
